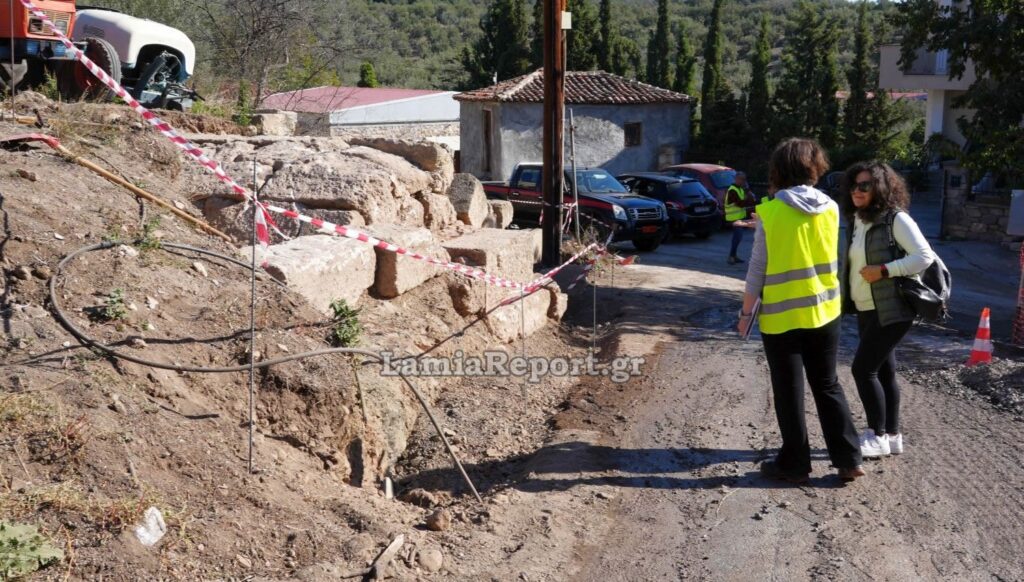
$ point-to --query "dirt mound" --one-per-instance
(89, 442)
(1001, 383)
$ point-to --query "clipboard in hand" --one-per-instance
(753, 318)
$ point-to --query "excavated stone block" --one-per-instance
(414, 179)
(467, 196)
(229, 216)
(397, 274)
(506, 253)
(500, 213)
(438, 212)
(323, 268)
(431, 157)
(275, 122)
(514, 321)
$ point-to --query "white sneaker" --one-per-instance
(872, 445)
(896, 443)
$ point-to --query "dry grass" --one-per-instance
(69, 498)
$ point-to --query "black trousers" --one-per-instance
(811, 351)
(874, 371)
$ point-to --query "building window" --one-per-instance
(634, 134)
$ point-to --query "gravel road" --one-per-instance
(657, 479)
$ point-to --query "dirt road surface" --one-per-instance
(657, 479)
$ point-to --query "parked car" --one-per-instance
(691, 208)
(715, 178)
(635, 218)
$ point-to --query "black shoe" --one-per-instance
(772, 470)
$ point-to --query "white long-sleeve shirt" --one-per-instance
(908, 236)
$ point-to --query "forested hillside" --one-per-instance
(417, 43)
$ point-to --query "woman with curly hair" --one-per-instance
(875, 201)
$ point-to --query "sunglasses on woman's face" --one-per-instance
(864, 187)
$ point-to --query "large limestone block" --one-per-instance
(506, 253)
(514, 321)
(231, 217)
(275, 122)
(397, 274)
(500, 215)
(438, 212)
(467, 196)
(323, 268)
(431, 157)
(414, 179)
(336, 181)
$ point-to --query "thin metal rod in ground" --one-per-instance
(62, 318)
(522, 332)
(252, 327)
(593, 335)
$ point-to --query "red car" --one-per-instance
(715, 178)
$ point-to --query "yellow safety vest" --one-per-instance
(801, 288)
(732, 211)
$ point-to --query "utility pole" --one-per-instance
(554, 101)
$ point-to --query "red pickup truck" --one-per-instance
(639, 219)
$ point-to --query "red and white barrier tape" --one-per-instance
(263, 220)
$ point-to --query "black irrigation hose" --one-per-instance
(90, 342)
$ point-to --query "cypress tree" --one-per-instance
(606, 46)
(537, 40)
(651, 73)
(583, 38)
(367, 76)
(686, 65)
(828, 104)
(712, 81)
(855, 115)
(758, 94)
(808, 73)
(662, 47)
(503, 51)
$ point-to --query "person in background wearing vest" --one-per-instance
(739, 202)
(794, 270)
(875, 200)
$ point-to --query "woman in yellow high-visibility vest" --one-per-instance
(794, 271)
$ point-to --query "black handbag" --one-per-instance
(928, 292)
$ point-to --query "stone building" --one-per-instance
(621, 125)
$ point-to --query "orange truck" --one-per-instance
(150, 59)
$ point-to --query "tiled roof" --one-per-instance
(326, 99)
(581, 88)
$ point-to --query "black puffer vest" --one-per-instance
(889, 304)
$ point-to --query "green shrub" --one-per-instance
(23, 550)
(114, 307)
(346, 330)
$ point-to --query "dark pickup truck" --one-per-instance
(635, 218)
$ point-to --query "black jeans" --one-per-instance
(874, 371)
(737, 238)
(813, 351)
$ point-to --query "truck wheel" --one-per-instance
(646, 245)
(76, 82)
(163, 69)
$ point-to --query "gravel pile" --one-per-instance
(1001, 382)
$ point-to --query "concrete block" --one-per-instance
(467, 196)
(397, 274)
(322, 268)
(506, 253)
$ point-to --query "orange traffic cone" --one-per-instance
(981, 353)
